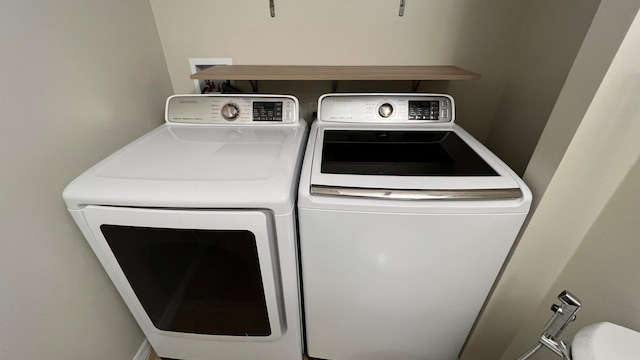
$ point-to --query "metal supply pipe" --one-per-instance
(563, 314)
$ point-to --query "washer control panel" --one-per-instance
(231, 109)
(393, 108)
(426, 110)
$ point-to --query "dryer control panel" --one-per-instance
(231, 109)
(387, 108)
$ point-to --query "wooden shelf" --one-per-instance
(273, 72)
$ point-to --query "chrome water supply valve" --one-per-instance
(563, 314)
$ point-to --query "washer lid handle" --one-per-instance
(420, 194)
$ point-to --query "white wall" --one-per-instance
(552, 36)
(603, 273)
(597, 217)
(78, 79)
(476, 35)
(592, 170)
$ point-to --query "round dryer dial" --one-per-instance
(230, 111)
(385, 110)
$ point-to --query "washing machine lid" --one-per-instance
(407, 162)
(198, 167)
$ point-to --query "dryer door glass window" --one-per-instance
(402, 153)
(194, 281)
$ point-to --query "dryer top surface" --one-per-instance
(199, 167)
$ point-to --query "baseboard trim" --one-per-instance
(144, 351)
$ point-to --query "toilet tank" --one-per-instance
(605, 341)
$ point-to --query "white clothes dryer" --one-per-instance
(405, 222)
(195, 225)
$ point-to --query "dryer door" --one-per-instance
(192, 272)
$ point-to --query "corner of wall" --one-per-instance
(566, 165)
(144, 352)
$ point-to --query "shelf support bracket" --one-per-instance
(254, 85)
(272, 8)
(414, 85)
(401, 12)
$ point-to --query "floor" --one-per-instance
(153, 356)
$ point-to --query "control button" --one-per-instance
(230, 111)
(445, 113)
(385, 110)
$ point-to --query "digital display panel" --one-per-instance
(267, 111)
(424, 110)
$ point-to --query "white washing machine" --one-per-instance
(195, 225)
(405, 222)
